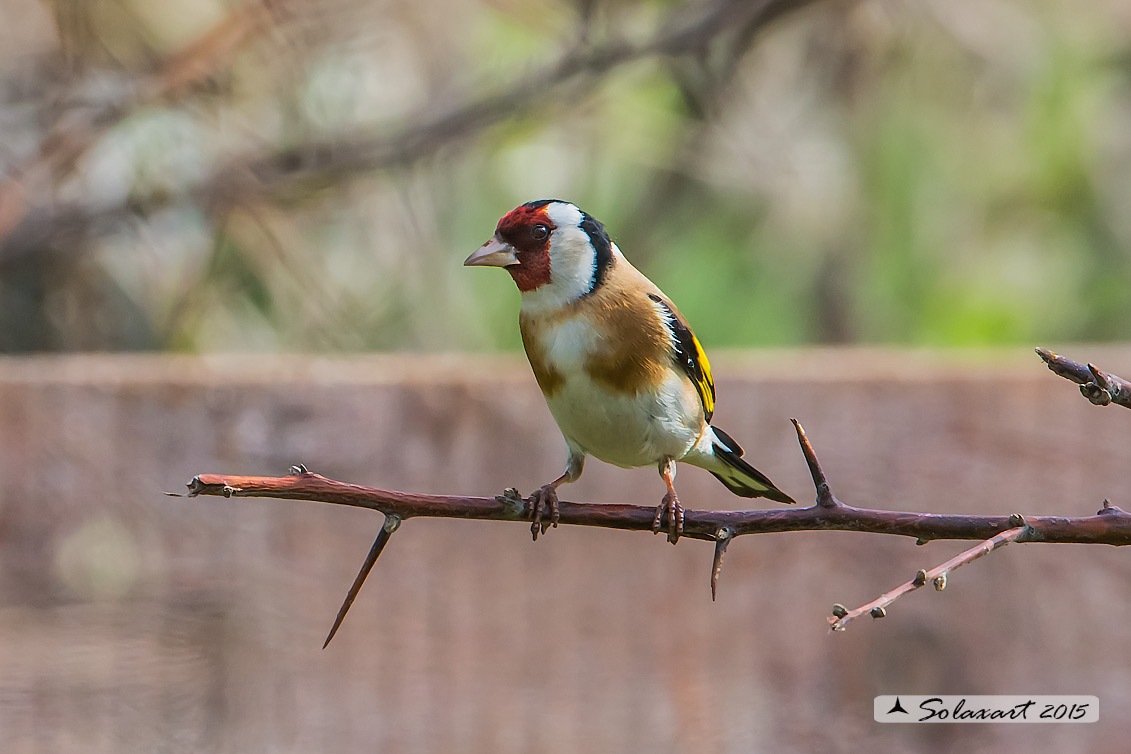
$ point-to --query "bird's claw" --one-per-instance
(542, 498)
(671, 506)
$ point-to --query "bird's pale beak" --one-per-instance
(494, 253)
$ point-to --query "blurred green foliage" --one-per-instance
(945, 175)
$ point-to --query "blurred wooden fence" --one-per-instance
(134, 622)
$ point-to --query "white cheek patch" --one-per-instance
(563, 215)
(573, 262)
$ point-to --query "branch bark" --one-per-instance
(937, 576)
(1099, 387)
(1110, 525)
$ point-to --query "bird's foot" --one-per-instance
(670, 506)
(544, 500)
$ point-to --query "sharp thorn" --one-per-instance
(391, 524)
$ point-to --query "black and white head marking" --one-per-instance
(581, 254)
(602, 245)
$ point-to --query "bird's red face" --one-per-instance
(521, 244)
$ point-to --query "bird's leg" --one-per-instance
(542, 498)
(670, 504)
(546, 496)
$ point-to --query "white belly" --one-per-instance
(628, 431)
(664, 421)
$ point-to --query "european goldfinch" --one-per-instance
(622, 373)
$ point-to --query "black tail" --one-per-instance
(740, 477)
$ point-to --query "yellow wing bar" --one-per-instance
(690, 357)
(704, 383)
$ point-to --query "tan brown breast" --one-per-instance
(549, 379)
(631, 346)
(636, 347)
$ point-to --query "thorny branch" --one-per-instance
(689, 30)
(1111, 525)
(937, 576)
(1099, 387)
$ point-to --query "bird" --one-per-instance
(622, 373)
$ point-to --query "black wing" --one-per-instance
(690, 357)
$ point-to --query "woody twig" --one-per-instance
(937, 576)
(1111, 525)
(1099, 387)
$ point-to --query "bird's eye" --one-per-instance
(539, 232)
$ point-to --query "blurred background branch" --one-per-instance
(251, 178)
(295, 176)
